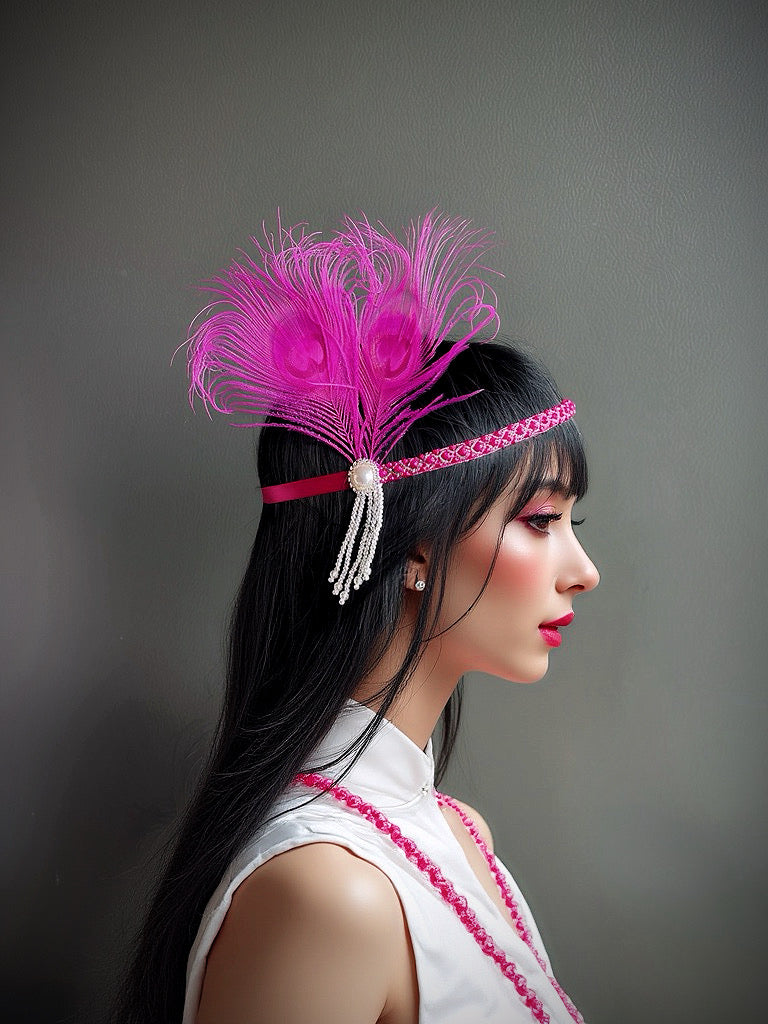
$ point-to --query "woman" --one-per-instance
(318, 875)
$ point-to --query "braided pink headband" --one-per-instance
(438, 458)
(365, 478)
(337, 339)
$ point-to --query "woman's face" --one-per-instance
(540, 568)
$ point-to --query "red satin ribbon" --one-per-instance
(305, 488)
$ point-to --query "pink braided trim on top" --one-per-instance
(468, 451)
(439, 882)
(438, 458)
(509, 899)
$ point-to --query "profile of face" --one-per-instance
(540, 568)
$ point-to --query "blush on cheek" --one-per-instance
(516, 573)
(517, 570)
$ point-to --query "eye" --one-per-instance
(540, 521)
(578, 522)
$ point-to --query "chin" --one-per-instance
(532, 674)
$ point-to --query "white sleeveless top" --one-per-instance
(458, 983)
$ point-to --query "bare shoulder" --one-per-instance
(312, 934)
(480, 823)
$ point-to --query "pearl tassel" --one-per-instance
(368, 510)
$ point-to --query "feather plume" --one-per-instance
(338, 339)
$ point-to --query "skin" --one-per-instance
(320, 906)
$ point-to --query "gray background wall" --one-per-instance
(618, 149)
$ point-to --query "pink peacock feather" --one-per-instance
(338, 339)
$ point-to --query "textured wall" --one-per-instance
(619, 150)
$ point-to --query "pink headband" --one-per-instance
(438, 458)
(337, 339)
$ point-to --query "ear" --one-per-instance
(417, 566)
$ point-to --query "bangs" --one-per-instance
(554, 460)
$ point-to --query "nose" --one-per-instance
(579, 572)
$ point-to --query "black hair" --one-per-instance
(295, 655)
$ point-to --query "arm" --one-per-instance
(314, 936)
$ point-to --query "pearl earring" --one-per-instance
(420, 584)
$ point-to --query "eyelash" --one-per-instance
(542, 520)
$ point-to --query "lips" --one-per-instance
(549, 631)
(557, 622)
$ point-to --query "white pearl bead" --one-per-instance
(362, 475)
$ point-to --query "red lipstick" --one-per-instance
(549, 630)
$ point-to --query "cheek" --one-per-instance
(516, 578)
(464, 580)
(518, 572)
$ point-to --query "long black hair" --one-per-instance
(295, 655)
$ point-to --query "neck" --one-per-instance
(419, 704)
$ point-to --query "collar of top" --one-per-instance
(391, 772)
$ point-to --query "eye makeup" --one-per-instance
(540, 521)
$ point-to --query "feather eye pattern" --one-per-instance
(338, 338)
